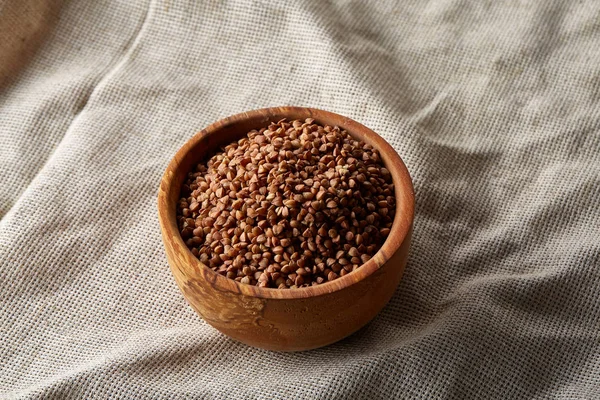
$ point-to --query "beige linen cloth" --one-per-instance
(493, 105)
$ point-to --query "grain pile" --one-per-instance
(291, 205)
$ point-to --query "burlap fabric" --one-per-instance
(493, 105)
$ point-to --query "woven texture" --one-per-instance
(493, 105)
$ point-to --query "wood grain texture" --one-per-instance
(295, 319)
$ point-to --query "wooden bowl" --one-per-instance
(285, 319)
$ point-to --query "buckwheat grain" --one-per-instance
(292, 205)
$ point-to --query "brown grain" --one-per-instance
(291, 205)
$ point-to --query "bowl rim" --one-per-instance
(401, 226)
